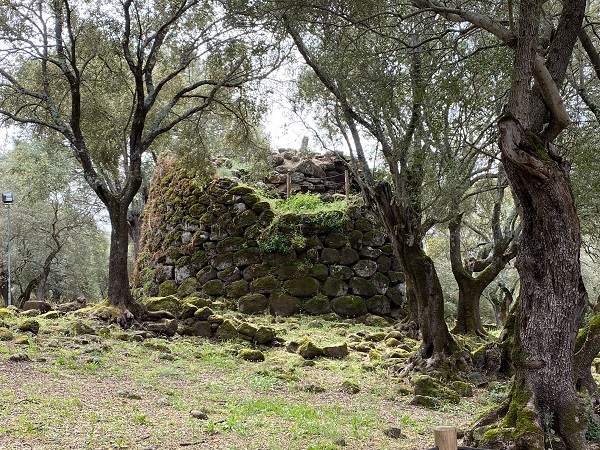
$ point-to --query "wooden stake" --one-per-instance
(347, 181)
(288, 188)
(445, 438)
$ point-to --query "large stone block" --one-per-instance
(302, 287)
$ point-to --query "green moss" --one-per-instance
(590, 329)
(538, 148)
(167, 287)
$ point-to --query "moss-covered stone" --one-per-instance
(381, 282)
(334, 287)
(248, 354)
(336, 351)
(236, 289)
(261, 206)
(330, 255)
(222, 261)
(430, 387)
(187, 287)
(384, 264)
(247, 329)
(168, 303)
(365, 268)
(230, 244)
(203, 313)
(335, 240)
(264, 285)
(198, 258)
(251, 199)
(350, 387)
(374, 238)
(362, 287)
(348, 256)
(31, 325)
(425, 401)
(241, 190)
(255, 271)
(214, 288)
(80, 327)
(319, 271)
(230, 274)
(264, 335)
(355, 239)
(247, 256)
(349, 306)
(378, 304)
(396, 294)
(463, 389)
(166, 327)
(167, 287)
(341, 272)
(227, 331)
(205, 274)
(309, 350)
(375, 321)
(253, 304)
(284, 305)
(317, 305)
(245, 219)
(198, 328)
(363, 224)
(198, 302)
(302, 287)
(5, 334)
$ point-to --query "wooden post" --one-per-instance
(288, 188)
(445, 438)
(347, 181)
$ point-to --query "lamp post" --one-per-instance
(7, 199)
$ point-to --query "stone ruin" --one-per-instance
(205, 240)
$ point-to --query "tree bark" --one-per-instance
(470, 287)
(550, 303)
(422, 282)
(119, 291)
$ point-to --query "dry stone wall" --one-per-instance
(219, 240)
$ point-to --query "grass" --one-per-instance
(70, 395)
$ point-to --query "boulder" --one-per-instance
(349, 306)
(302, 287)
(362, 287)
(166, 327)
(213, 288)
(319, 304)
(197, 328)
(30, 325)
(248, 354)
(378, 305)
(253, 304)
(264, 335)
(264, 285)
(284, 305)
(336, 351)
(169, 303)
(310, 169)
(334, 287)
(309, 350)
(227, 331)
(365, 268)
(41, 306)
(237, 289)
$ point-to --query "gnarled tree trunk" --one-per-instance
(422, 282)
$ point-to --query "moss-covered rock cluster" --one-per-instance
(194, 316)
(223, 240)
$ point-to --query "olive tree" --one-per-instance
(116, 79)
